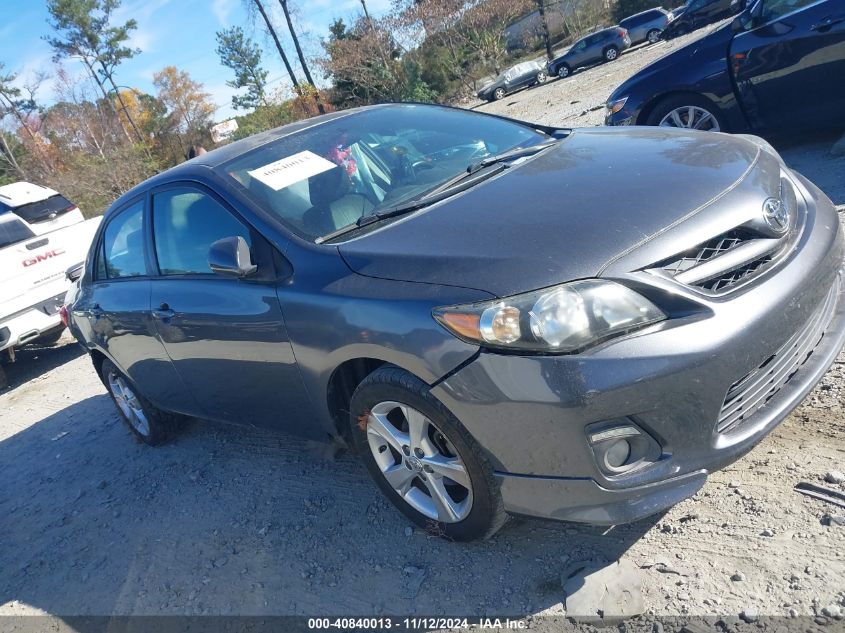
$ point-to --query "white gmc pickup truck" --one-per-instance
(42, 235)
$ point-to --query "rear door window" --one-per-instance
(12, 230)
(44, 210)
(186, 222)
(122, 249)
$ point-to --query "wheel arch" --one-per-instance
(652, 103)
(342, 384)
(97, 358)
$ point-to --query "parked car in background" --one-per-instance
(647, 25)
(697, 13)
(520, 76)
(42, 208)
(34, 256)
(778, 68)
(492, 322)
(602, 46)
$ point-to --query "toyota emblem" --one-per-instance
(776, 215)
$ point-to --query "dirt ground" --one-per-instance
(228, 520)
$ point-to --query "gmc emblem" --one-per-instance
(42, 257)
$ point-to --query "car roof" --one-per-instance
(636, 15)
(20, 193)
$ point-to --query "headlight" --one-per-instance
(562, 319)
(615, 106)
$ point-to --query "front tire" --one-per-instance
(498, 93)
(687, 111)
(653, 36)
(564, 71)
(422, 457)
(146, 422)
(542, 77)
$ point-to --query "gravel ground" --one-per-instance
(229, 520)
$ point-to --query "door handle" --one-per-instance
(827, 22)
(163, 312)
(96, 311)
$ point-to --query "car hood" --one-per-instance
(565, 214)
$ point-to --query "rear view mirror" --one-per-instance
(230, 257)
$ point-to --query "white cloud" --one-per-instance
(222, 9)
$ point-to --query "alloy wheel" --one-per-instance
(691, 117)
(129, 404)
(653, 37)
(499, 93)
(419, 462)
(610, 54)
(563, 72)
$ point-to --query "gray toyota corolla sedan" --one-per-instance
(497, 316)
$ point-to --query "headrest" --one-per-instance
(328, 187)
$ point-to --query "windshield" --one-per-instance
(42, 210)
(325, 178)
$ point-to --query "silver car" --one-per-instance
(646, 26)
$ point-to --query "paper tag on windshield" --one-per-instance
(287, 171)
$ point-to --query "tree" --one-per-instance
(369, 66)
(188, 105)
(84, 31)
(272, 31)
(544, 25)
(302, 61)
(243, 56)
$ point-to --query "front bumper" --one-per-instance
(530, 412)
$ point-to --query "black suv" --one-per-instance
(697, 13)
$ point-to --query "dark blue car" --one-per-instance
(778, 67)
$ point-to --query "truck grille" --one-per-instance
(749, 394)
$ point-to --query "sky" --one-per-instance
(177, 33)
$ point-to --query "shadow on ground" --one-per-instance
(815, 158)
(231, 520)
(35, 360)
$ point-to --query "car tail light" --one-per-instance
(622, 32)
(63, 315)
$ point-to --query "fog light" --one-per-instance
(621, 447)
(617, 454)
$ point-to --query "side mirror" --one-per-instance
(742, 22)
(230, 257)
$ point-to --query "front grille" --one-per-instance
(705, 252)
(747, 395)
(733, 277)
(723, 262)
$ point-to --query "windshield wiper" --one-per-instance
(443, 190)
(495, 159)
(518, 152)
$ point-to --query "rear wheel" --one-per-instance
(611, 53)
(423, 459)
(653, 36)
(146, 422)
(689, 112)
